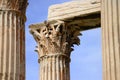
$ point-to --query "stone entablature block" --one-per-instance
(73, 9)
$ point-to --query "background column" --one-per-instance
(12, 39)
(111, 39)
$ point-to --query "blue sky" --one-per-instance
(86, 59)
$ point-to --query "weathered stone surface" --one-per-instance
(12, 39)
(73, 9)
(55, 40)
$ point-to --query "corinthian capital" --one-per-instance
(55, 37)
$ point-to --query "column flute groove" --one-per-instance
(110, 16)
(0, 45)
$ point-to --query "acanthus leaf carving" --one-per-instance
(57, 38)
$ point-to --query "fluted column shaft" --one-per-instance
(12, 39)
(111, 39)
(12, 61)
(54, 67)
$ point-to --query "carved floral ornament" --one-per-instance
(56, 38)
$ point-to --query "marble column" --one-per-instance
(110, 19)
(55, 43)
(12, 39)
